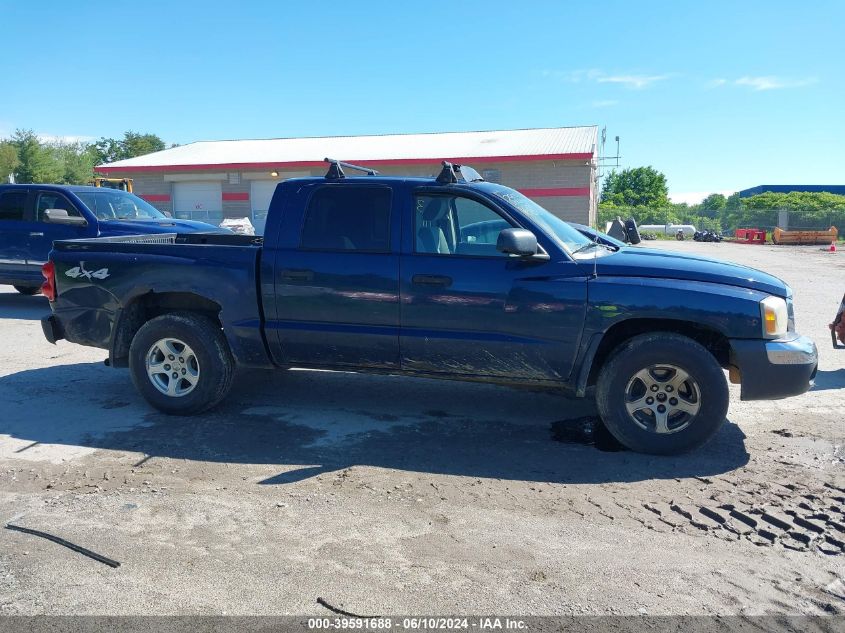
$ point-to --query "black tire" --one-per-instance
(28, 290)
(662, 358)
(214, 365)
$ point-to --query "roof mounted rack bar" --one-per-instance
(452, 173)
(336, 169)
(447, 175)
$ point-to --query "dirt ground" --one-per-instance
(387, 495)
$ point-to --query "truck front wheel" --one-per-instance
(181, 363)
(662, 393)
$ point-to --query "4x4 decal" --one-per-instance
(79, 271)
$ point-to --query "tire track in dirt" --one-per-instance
(794, 516)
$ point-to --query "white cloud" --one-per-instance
(6, 133)
(694, 197)
(64, 138)
(637, 82)
(770, 82)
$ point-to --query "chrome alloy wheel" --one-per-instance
(172, 367)
(662, 399)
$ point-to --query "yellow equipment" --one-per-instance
(124, 184)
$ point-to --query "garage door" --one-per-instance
(260, 194)
(198, 201)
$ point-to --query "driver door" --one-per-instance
(469, 309)
(44, 233)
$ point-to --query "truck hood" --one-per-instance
(649, 262)
(165, 225)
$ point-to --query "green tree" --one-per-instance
(36, 160)
(8, 160)
(139, 144)
(733, 202)
(711, 206)
(637, 187)
(796, 201)
(109, 150)
(714, 202)
(77, 161)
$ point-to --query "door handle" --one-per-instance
(297, 275)
(36, 234)
(432, 280)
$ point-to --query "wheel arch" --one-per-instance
(601, 345)
(149, 306)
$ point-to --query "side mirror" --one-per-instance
(60, 216)
(517, 242)
(168, 214)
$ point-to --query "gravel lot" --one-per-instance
(388, 495)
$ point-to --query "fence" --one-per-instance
(728, 220)
(819, 220)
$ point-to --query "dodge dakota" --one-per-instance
(448, 277)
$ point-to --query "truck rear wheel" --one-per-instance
(28, 290)
(181, 363)
(662, 393)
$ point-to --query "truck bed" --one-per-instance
(99, 280)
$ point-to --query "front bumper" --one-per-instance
(775, 369)
(52, 329)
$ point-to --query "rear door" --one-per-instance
(14, 237)
(337, 277)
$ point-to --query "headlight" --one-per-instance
(775, 317)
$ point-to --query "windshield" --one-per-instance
(566, 236)
(113, 204)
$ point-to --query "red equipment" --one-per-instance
(750, 236)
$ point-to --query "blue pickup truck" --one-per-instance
(405, 275)
(32, 217)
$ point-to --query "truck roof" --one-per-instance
(74, 188)
(380, 179)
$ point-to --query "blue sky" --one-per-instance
(718, 95)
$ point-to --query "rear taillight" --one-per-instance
(48, 288)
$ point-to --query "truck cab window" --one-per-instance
(454, 225)
(12, 204)
(52, 200)
(348, 218)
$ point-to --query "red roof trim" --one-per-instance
(155, 197)
(315, 163)
(235, 196)
(556, 192)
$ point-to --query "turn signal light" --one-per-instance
(48, 288)
(775, 317)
